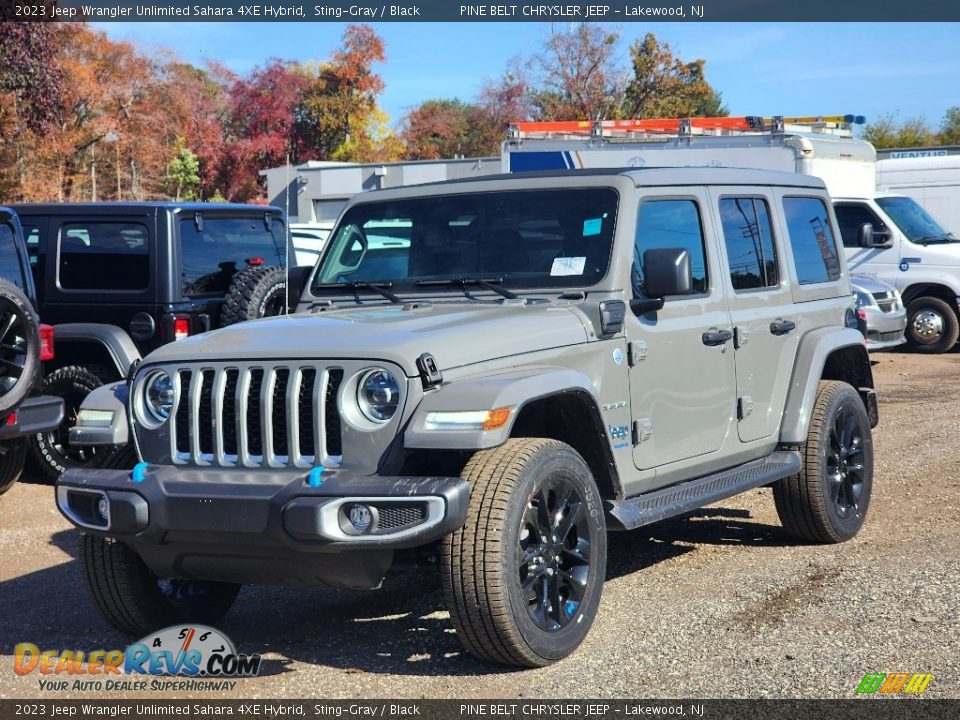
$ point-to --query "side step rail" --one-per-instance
(688, 496)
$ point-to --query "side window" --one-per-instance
(850, 216)
(102, 255)
(749, 239)
(10, 269)
(31, 234)
(811, 239)
(670, 224)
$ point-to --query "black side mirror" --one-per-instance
(667, 272)
(297, 280)
(867, 237)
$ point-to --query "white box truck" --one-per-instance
(887, 236)
(931, 176)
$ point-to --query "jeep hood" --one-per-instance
(456, 334)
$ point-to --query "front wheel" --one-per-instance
(827, 501)
(932, 325)
(135, 601)
(523, 578)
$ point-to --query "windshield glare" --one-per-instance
(912, 219)
(520, 239)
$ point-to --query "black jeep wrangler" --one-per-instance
(118, 280)
(24, 345)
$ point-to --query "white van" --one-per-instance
(931, 176)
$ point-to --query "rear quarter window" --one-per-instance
(104, 256)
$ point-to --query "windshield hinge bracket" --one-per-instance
(430, 373)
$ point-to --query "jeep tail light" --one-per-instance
(46, 342)
(11, 419)
(181, 328)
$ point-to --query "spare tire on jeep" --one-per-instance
(255, 292)
(19, 347)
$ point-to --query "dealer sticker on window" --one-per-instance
(568, 266)
(593, 226)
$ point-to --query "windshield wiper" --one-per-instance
(927, 239)
(487, 284)
(377, 287)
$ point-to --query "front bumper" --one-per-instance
(35, 414)
(884, 329)
(260, 526)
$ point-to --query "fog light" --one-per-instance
(103, 509)
(361, 518)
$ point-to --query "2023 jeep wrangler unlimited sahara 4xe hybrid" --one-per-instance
(494, 372)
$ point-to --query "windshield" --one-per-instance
(216, 249)
(516, 239)
(912, 219)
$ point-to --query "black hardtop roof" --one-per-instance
(108, 208)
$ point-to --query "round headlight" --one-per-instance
(378, 395)
(158, 395)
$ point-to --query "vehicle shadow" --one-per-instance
(402, 629)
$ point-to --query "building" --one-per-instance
(317, 191)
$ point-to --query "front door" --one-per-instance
(682, 381)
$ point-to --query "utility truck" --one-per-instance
(886, 236)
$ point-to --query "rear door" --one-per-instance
(761, 308)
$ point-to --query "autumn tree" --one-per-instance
(576, 75)
(339, 118)
(886, 132)
(31, 97)
(260, 126)
(663, 85)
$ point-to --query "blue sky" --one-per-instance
(761, 68)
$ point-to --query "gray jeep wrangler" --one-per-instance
(492, 374)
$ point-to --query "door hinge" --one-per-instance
(642, 430)
(744, 407)
(741, 336)
(636, 352)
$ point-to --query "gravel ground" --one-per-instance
(719, 604)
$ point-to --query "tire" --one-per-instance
(255, 293)
(19, 347)
(14, 454)
(827, 501)
(51, 450)
(514, 500)
(135, 601)
(932, 325)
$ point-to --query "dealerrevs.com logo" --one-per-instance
(203, 657)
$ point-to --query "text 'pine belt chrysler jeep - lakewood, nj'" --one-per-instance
(493, 373)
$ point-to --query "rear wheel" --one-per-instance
(827, 501)
(134, 600)
(52, 450)
(13, 453)
(523, 578)
(932, 325)
(19, 347)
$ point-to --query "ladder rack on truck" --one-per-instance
(633, 130)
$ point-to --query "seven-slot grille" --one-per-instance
(284, 416)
